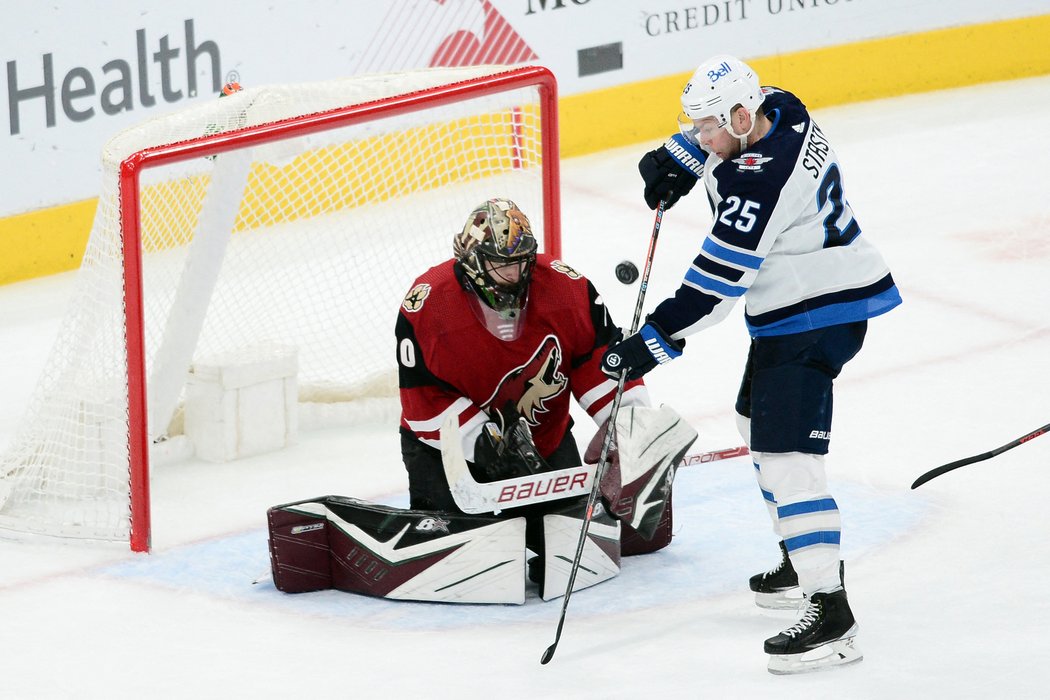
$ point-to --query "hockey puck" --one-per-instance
(627, 272)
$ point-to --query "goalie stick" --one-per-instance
(475, 497)
(592, 499)
(979, 458)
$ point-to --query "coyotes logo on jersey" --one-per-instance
(529, 386)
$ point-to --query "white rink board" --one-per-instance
(142, 59)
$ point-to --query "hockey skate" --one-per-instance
(778, 589)
(822, 639)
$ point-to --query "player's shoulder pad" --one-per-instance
(437, 280)
(560, 267)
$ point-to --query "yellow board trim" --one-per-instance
(52, 240)
(865, 70)
(45, 241)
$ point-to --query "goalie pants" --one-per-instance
(785, 408)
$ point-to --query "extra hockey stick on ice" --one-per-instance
(979, 458)
(603, 459)
(714, 456)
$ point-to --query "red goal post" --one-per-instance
(482, 132)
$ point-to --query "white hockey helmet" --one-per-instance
(719, 84)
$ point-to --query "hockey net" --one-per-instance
(290, 216)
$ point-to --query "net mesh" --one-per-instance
(308, 241)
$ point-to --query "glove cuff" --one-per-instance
(686, 154)
(662, 347)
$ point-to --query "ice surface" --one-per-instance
(947, 581)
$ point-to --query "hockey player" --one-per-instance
(500, 337)
(785, 238)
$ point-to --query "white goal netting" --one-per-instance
(276, 215)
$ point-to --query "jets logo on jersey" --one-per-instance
(432, 525)
(752, 161)
(559, 266)
(414, 299)
(530, 386)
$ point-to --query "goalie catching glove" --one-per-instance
(508, 452)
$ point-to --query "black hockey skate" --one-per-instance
(823, 638)
(778, 589)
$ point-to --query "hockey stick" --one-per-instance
(474, 497)
(714, 456)
(599, 470)
(979, 458)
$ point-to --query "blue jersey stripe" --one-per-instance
(832, 309)
(695, 277)
(752, 262)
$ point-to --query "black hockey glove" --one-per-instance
(665, 178)
(639, 353)
(506, 453)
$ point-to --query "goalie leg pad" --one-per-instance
(299, 555)
(401, 554)
(561, 535)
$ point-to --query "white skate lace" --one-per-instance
(776, 568)
(809, 616)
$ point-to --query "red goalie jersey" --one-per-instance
(455, 357)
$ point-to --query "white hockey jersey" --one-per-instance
(784, 237)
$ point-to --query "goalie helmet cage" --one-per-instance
(288, 216)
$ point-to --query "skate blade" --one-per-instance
(791, 599)
(841, 652)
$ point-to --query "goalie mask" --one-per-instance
(495, 254)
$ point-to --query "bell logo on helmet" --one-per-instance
(719, 71)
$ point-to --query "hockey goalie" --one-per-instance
(491, 344)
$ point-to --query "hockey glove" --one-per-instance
(639, 353)
(671, 171)
(506, 454)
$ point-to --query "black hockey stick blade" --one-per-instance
(979, 458)
(548, 653)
